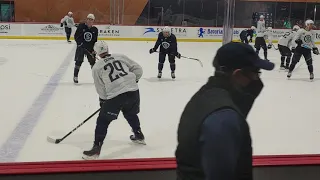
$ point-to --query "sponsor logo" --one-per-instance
(51, 29)
(178, 31)
(205, 32)
(317, 36)
(109, 31)
(5, 28)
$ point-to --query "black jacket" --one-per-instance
(246, 33)
(213, 96)
(86, 36)
(168, 44)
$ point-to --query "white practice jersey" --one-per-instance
(261, 28)
(288, 39)
(269, 35)
(68, 20)
(115, 75)
(307, 37)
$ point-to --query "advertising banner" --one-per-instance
(44, 30)
(8, 29)
(152, 32)
(111, 31)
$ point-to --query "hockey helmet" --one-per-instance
(101, 47)
(269, 28)
(91, 16)
(70, 13)
(308, 22)
(253, 28)
(261, 16)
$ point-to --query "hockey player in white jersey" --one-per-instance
(287, 46)
(305, 39)
(269, 37)
(68, 23)
(260, 41)
(115, 78)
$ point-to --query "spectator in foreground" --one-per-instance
(214, 141)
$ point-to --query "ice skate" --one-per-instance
(75, 80)
(287, 68)
(159, 75)
(92, 154)
(289, 74)
(69, 41)
(282, 67)
(311, 76)
(138, 138)
(173, 75)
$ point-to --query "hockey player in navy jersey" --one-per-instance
(168, 46)
(247, 33)
(86, 36)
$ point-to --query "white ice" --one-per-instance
(284, 120)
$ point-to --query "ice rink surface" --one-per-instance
(38, 98)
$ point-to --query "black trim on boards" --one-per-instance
(260, 173)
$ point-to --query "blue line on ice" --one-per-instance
(10, 150)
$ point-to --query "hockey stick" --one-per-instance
(275, 47)
(57, 141)
(189, 58)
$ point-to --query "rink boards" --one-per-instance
(43, 101)
(125, 33)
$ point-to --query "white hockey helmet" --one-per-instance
(308, 22)
(91, 16)
(295, 28)
(70, 13)
(269, 28)
(253, 28)
(261, 16)
(166, 29)
(101, 47)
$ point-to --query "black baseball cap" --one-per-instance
(236, 55)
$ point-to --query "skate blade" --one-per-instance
(94, 157)
(139, 142)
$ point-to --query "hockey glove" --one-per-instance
(101, 102)
(80, 45)
(269, 46)
(250, 40)
(152, 50)
(315, 50)
(299, 42)
(61, 25)
(178, 55)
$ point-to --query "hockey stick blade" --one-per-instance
(57, 141)
(193, 59)
(52, 140)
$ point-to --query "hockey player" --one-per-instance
(86, 36)
(246, 33)
(168, 42)
(115, 78)
(305, 39)
(284, 44)
(269, 37)
(68, 23)
(260, 41)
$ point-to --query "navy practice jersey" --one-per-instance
(246, 33)
(87, 36)
(167, 44)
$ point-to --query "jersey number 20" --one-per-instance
(116, 70)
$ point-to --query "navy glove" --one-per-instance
(101, 102)
(61, 25)
(315, 50)
(152, 50)
(178, 55)
(80, 44)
